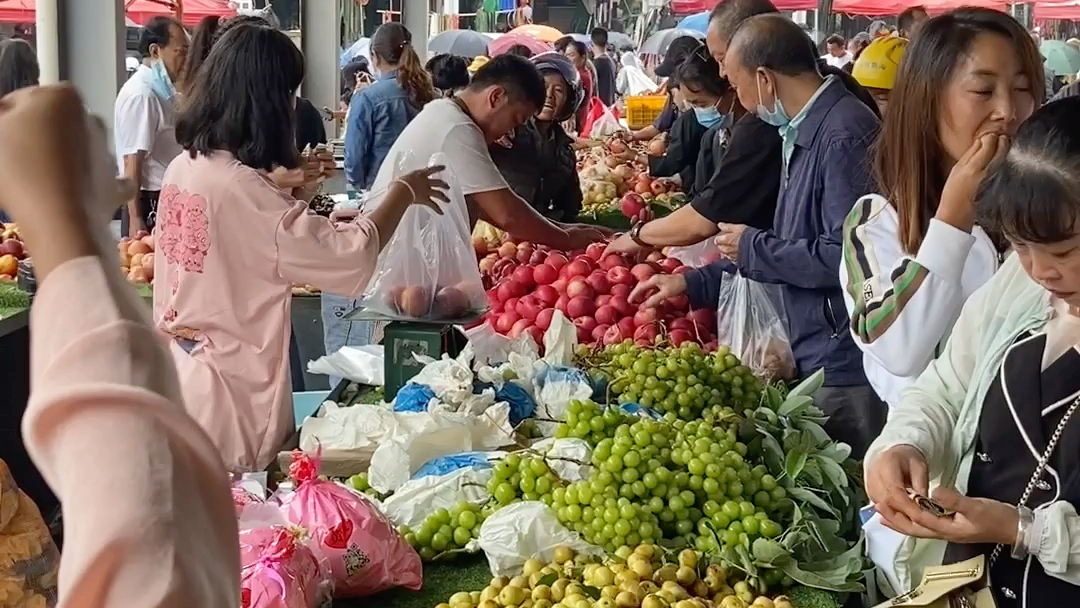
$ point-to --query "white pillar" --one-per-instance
(414, 16)
(320, 31)
(82, 41)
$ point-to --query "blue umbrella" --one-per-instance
(698, 22)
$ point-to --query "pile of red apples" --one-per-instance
(526, 284)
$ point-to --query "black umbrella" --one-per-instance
(463, 43)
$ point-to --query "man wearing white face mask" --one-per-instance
(826, 132)
(144, 119)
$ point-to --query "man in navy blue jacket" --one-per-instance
(827, 132)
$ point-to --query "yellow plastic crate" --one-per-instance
(642, 110)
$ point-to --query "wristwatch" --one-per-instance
(635, 234)
(1025, 518)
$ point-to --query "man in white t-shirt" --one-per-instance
(503, 94)
(838, 55)
(144, 119)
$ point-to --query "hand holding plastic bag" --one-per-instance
(750, 320)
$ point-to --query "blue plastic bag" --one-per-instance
(413, 398)
(640, 411)
(521, 403)
(448, 464)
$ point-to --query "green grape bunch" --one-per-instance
(445, 530)
(518, 477)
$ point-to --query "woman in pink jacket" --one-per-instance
(230, 243)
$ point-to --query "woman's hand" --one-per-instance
(624, 245)
(957, 206)
(976, 520)
(890, 477)
(663, 286)
(422, 188)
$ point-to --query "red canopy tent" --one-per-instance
(139, 11)
(1066, 11)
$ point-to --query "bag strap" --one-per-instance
(1044, 461)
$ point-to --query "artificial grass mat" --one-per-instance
(441, 580)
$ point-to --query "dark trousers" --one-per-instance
(856, 415)
(147, 203)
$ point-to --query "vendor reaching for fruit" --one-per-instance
(232, 243)
(537, 158)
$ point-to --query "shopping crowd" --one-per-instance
(911, 195)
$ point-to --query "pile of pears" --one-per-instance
(635, 578)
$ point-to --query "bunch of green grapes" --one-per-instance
(684, 380)
(518, 477)
(590, 421)
(360, 483)
(445, 530)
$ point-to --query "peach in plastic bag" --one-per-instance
(365, 552)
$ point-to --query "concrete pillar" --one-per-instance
(82, 41)
(414, 15)
(320, 31)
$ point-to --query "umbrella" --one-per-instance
(360, 48)
(540, 32)
(658, 43)
(463, 43)
(1060, 57)
(698, 22)
(620, 41)
(504, 42)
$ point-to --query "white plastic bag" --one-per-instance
(428, 270)
(361, 364)
(568, 457)
(524, 530)
(605, 126)
(414, 501)
(696, 255)
(750, 320)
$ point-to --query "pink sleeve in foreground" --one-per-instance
(338, 257)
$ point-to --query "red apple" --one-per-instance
(543, 320)
(543, 274)
(546, 295)
(705, 318)
(632, 204)
(602, 300)
(679, 336)
(626, 326)
(607, 315)
(519, 326)
(645, 316)
(562, 303)
(621, 289)
(684, 324)
(613, 335)
(646, 334)
(524, 275)
(670, 264)
(536, 334)
(505, 322)
(598, 332)
(623, 306)
(612, 261)
(556, 260)
(642, 272)
(580, 306)
(658, 186)
(559, 285)
(511, 304)
(619, 275)
(579, 287)
(595, 251)
(578, 268)
(529, 308)
(451, 303)
(680, 303)
(599, 282)
(507, 250)
(510, 289)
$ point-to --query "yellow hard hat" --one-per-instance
(876, 66)
(477, 63)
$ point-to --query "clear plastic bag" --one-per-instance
(750, 320)
(428, 270)
(697, 255)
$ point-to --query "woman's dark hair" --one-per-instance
(448, 72)
(209, 31)
(520, 50)
(699, 73)
(243, 99)
(1033, 195)
(909, 158)
(348, 76)
(392, 44)
(158, 30)
(579, 46)
(18, 66)
(201, 41)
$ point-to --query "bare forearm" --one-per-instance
(506, 211)
(133, 172)
(683, 227)
(648, 132)
(387, 215)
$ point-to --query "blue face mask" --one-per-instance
(776, 117)
(708, 117)
(160, 82)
